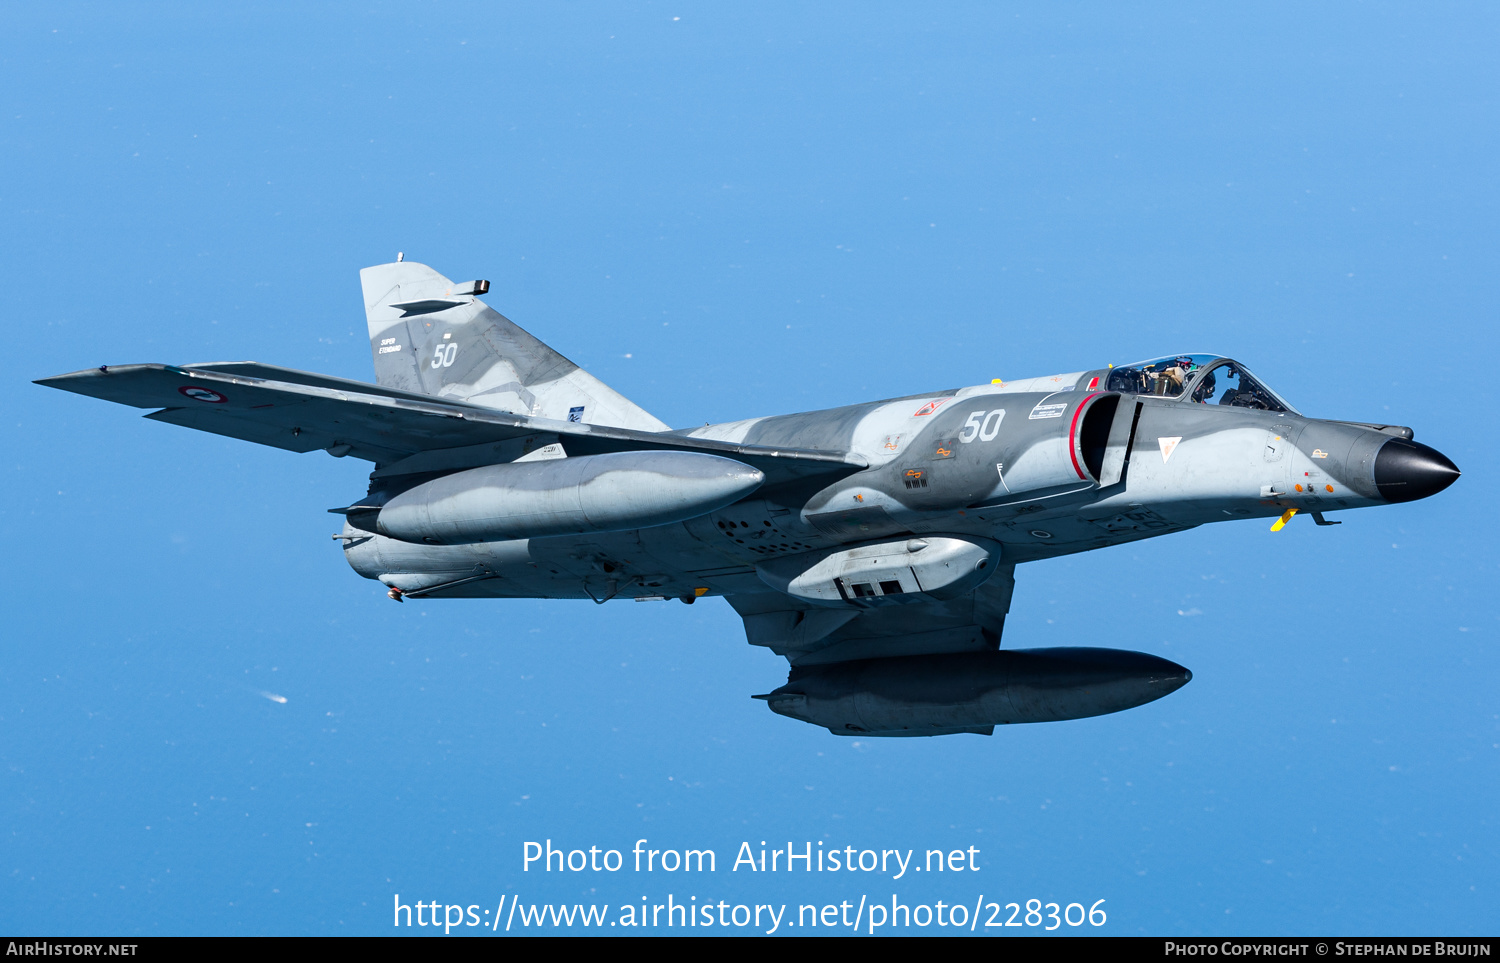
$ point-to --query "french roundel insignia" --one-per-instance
(202, 394)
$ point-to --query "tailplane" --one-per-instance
(432, 335)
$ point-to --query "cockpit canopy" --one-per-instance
(1204, 378)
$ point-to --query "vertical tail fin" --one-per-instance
(433, 335)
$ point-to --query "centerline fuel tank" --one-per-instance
(934, 695)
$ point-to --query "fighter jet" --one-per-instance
(874, 546)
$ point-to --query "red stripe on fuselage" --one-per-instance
(1073, 435)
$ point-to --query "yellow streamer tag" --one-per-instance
(1286, 516)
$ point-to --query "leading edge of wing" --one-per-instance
(381, 424)
(138, 385)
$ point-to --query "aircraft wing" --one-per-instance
(300, 411)
(812, 635)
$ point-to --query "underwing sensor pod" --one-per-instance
(907, 570)
(873, 546)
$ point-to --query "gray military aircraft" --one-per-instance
(873, 546)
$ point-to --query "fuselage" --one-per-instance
(1044, 467)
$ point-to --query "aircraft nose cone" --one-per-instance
(1406, 470)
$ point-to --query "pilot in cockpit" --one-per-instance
(1166, 376)
(1208, 386)
(1169, 381)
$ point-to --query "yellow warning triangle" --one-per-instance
(1168, 445)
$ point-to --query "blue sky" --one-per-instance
(725, 212)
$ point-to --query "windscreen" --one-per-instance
(1228, 383)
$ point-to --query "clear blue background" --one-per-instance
(726, 211)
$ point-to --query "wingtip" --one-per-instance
(60, 380)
